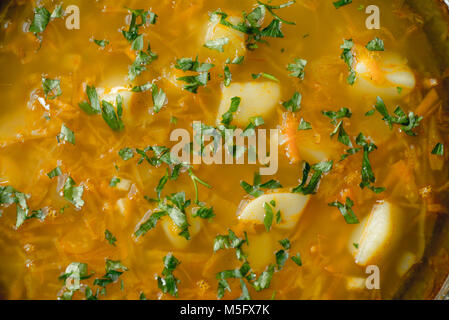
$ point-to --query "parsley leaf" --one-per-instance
(408, 122)
(110, 237)
(230, 241)
(66, 135)
(52, 88)
(438, 149)
(168, 282)
(217, 44)
(304, 125)
(297, 259)
(72, 193)
(297, 68)
(368, 177)
(348, 57)
(101, 43)
(264, 75)
(268, 217)
(341, 3)
(319, 169)
(93, 106)
(143, 59)
(346, 210)
(159, 98)
(294, 104)
(376, 45)
(40, 20)
(226, 118)
(114, 181)
(54, 173)
(194, 82)
(126, 153)
(112, 118)
(114, 269)
(255, 189)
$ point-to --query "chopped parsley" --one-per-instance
(75, 272)
(114, 181)
(264, 280)
(343, 137)
(269, 215)
(42, 17)
(297, 259)
(226, 118)
(139, 18)
(341, 3)
(255, 189)
(368, 177)
(168, 283)
(101, 43)
(108, 236)
(143, 59)
(72, 193)
(304, 125)
(114, 269)
(438, 149)
(309, 183)
(9, 196)
(112, 117)
(66, 135)
(227, 76)
(346, 210)
(264, 75)
(159, 98)
(93, 106)
(376, 45)
(173, 206)
(126, 153)
(142, 88)
(52, 88)
(281, 258)
(217, 44)
(407, 122)
(252, 23)
(348, 57)
(297, 68)
(231, 241)
(199, 80)
(294, 104)
(54, 173)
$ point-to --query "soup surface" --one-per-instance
(339, 202)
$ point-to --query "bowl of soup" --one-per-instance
(224, 150)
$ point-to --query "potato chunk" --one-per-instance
(290, 204)
(386, 75)
(258, 99)
(378, 234)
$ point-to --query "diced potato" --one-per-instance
(260, 251)
(382, 75)
(377, 234)
(172, 231)
(290, 204)
(236, 39)
(123, 206)
(258, 99)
